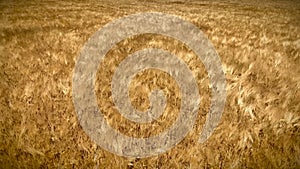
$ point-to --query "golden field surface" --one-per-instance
(258, 43)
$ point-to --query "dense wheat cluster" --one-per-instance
(258, 43)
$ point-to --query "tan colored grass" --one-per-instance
(259, 46)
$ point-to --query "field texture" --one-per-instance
(258, 43)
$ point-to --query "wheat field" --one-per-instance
(258, 43)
